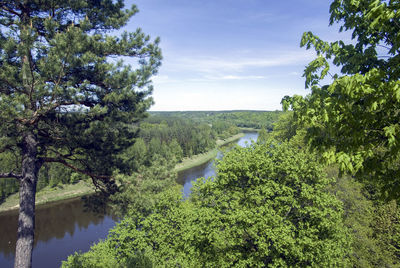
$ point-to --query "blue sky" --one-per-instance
(230, 54)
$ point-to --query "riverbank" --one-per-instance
(200, 159)
(51, 194)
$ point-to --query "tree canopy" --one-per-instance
(354, 120)
(66, 96)
(268, 206)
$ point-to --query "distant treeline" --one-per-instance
(243, 119)
(163, 135)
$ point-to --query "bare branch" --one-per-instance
(10, 175)
(65, 163)
(5, 148)
(4, 7)
(388, 48)
(104, 183)
(38, 114)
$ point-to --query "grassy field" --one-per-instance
(51, 194)
(200, 159)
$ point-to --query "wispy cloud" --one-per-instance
(219, 68)
(222, 64)
(164, 79)
(243, 77)
(227, 68)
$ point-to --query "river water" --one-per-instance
(61, 229)
(65, 227)
(187, 177)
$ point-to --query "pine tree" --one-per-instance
(65, 96)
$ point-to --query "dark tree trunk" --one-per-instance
(27, 191)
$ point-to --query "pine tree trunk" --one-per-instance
(27, 191)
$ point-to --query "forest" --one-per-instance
(275, 196)
(169, 135)
(319, 188)
(242, 119)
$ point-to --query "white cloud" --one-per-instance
(190, 81)
(243, 77)
(213, 64)
(165, 79)
(199, 69)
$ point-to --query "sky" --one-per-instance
(231, 54)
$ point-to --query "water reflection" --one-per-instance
(188, 177)
(66, 227)
(57, 228)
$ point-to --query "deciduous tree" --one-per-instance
(267, 207)
(354, 120)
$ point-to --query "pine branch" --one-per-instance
(104, 183)
(82, 171)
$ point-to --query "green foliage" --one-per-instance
(353, 121)
(262, 136)
(8, 160)
(386, 227)
(268, 206)
(245, 119)
(155, 147)
(75, 177)
(135, 155)
(176, 150)
(63, 83)
(138, 192)
(192, 138)
(285, 128)
(99, 256)
(224, 129)
(373, 226)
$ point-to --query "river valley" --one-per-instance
(67, 226)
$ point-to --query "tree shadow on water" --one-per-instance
(95, 203)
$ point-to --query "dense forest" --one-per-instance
(243, 119)
(275, 196)
(169, 135)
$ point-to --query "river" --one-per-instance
(187, 177)
(65, 227)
